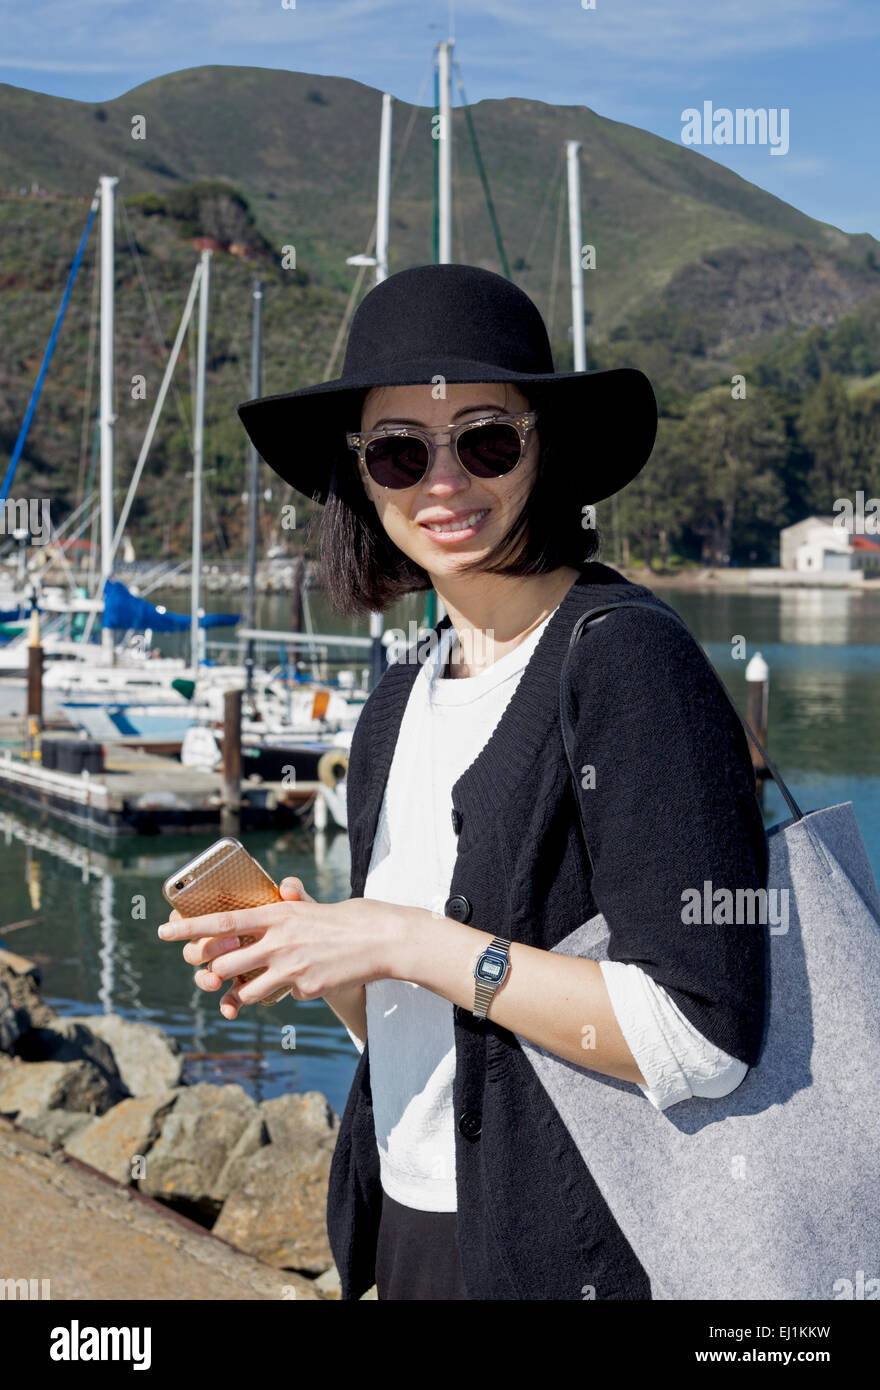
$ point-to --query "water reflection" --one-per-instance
(88, 915)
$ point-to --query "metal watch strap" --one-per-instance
(484, 990)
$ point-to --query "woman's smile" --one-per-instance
(459, 527)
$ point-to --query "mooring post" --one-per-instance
(377, 651)
(230, 806)
(758, 685)
(34, 686)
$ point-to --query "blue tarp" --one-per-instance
(13, 615)
(123, 609)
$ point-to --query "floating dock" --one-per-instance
(141, 792)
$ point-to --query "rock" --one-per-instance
(13, 1021)
(68, 1041)
(34, 1086)
(295, 1119)
(22, 979)
(148, 1060)
(199, 1138)
(329, 1283)
(55, 1126)
(113, 1140)
(253, 1137)
(278, 1211)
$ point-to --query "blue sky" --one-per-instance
(639, 61)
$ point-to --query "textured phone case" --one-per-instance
(225, 879)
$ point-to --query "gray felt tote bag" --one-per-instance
(774, 1190)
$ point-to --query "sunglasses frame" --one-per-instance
(522, 423)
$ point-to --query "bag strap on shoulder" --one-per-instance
(602, 610)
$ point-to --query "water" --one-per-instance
(823, 651)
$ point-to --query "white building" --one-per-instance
(824, 543)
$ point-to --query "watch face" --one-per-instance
(490, 969)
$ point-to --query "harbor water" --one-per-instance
(87, 910)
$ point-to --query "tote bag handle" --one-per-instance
(594, 613)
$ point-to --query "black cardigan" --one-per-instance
(673, 805)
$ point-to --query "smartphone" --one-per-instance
(221, 878)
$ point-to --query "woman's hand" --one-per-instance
(313, 948)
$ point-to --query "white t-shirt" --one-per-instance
(445, 726)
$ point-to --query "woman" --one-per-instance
(472, 468)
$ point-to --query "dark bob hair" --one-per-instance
(364, 571)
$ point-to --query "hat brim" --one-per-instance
(605, 421)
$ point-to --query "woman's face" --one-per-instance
(484, 507)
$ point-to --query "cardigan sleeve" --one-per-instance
(672, 821)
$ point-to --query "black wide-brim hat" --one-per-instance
(456, 323)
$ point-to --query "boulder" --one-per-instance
(31, 1087)
(22, 979)
(13, 1021)
(329, 1283)
(65, 1040)
(114, 1139)
(55, 1126)
(148, 1060)
(199, 1138)
(300, 1118)
(278, 1210)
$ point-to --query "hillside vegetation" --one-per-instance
(700, 277)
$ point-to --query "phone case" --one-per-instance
(224, 877)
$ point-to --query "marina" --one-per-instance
(145, 792)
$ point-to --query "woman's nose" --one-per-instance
(444, 466)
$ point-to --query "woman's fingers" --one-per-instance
(291, 888)
(226, 965)
(205, 948)
(231, 923)
(230, 1003)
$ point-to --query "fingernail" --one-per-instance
(165, 931)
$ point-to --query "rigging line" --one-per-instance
(555, 271)
(551, 186)
(355, 291)
(90, 365)
(482, 172)
(48, 351)
(157, 329)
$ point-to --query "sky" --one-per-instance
(644, 62)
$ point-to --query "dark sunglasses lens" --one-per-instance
(396, 461)
(489, 451)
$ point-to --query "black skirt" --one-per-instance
(417, 1254)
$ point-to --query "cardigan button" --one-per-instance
(458, 908)
(457, 819)
(470, 1124)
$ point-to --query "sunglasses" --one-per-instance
(490, 447)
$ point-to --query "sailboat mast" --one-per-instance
(107, 416)
(198, 450)
(578, 332)
(444, 53)
(383, 196)
(253, 484)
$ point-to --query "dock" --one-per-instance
(143, 792)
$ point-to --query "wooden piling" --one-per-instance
(758, 686)
(230, 808)
(34, 687)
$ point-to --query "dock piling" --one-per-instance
(758, 684)
(230, 809)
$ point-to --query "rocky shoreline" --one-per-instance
(109, 1092)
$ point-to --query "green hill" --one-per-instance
(694, 264)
